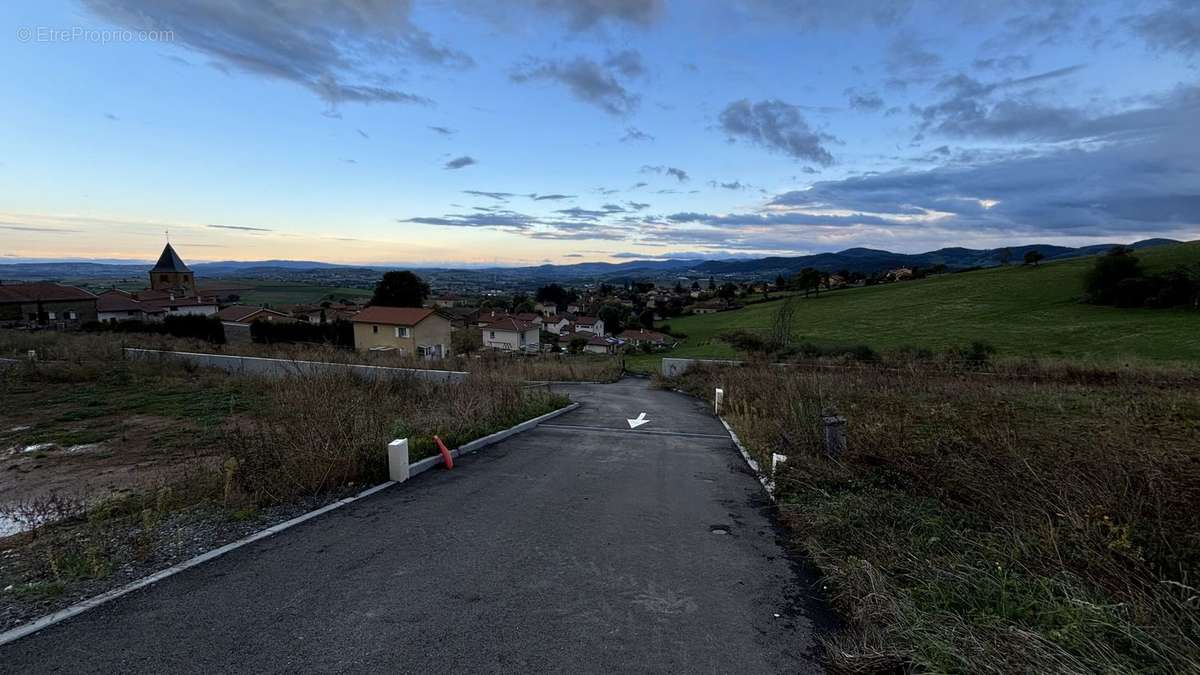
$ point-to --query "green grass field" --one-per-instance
(1022, 311)
(278, 293)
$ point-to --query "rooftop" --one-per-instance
(393, 316)
(170, 261)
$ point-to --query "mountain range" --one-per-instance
(865, 260)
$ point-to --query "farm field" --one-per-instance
(279, 293)
(1022, 311)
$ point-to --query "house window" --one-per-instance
(72, 316)
(164, 277)
(374, 329)
(50, 315)
(401, 331)
(491, 335)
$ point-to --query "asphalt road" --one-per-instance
(580, 546)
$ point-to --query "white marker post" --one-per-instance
(718, 400)
(398, 460)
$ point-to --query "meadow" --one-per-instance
(1023, 311)
(1026, 519)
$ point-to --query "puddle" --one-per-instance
(9, 527)
(20, 428)
(719, 529)
(37, 447)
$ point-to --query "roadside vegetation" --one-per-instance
(1005, 517)
(74, 347)
(116, 468)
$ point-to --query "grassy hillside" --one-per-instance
(1023, 311)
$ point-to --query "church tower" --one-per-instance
(171, 275)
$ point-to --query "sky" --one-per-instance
(475, 132)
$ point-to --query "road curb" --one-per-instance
(767, 483)
(14, 634)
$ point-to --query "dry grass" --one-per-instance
(247, 443)
(328, 431)
(1036, 519)
(81, 347)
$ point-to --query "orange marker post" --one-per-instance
(445, 453)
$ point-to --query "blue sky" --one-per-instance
(466, 131)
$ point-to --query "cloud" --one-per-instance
(777, 126)
(637, 206)
(442, 130)
(242, 228)
(633, 134)
(460, 162)
(1174, 26)
(731, 185)
(585, 14)
(1140, 182)
(343, 52)
(31, 228)
(679, 174)
(498, 196)
(362, 133)
(907, 59)
(1013, 63)
(554, 197)
(1012, 109)
(112, 117)
(864, 100)
(589, 81)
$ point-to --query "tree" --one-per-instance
(678, 288)
(1103, 280)
(712, 283)
(696, 285)
(646, 318)
(400, 289)
(727, 292)
(1033, 257)
(466, 341)
(1005, 255)
(552, 293)
(809, 280)
(576, 345)
(613, 317)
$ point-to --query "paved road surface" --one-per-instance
(580, 546)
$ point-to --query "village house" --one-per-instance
(46, 304)
(546, 309)
(589, 324)
(117, 305)
(641, 336)
(900, 274)
(598, 344)
(555, 323)
(510, 335)
(237, 320)
(325, 313)
(420, 331)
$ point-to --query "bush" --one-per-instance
(976, 354)
(207, 328)
(746, 341)
(339, 333)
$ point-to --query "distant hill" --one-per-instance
(1021, 310)
(865, 260)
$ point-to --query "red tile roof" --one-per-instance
(44, 291)
(115, 301)
(393, 316)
